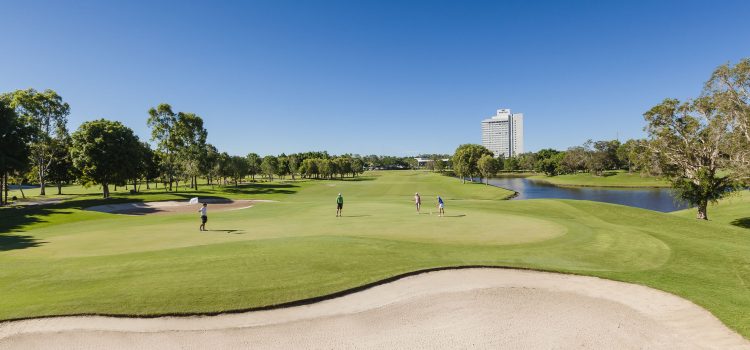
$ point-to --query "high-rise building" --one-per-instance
(503, 133)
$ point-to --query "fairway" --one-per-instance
(74, 261)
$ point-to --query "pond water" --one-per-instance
(659, 199)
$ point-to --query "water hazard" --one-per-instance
(659, 199)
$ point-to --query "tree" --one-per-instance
(690, 140)
(438, 165)
(729, 86)
(151, 161)
(603, 156)
(60, 167)
(310, 167)
(46, 114)
(526, 161)
(105, 152)
(224, 167)
(343, 166)
(548, 161)
(238, 168)
(293, 164)
(269, 166)
(358, 166)
(14, 148)
(253, 161)
(465, 160)
(488, 167)
(209, 162)
(624, 152)
(282, 169)
(552, 165)
(162, 121)
(575, 159)
(192, 149)
(511, 164)
(325, 168)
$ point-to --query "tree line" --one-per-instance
(595, 157)
(36, 144)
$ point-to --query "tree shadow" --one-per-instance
(358, 178)
(15, 219)
(14, 242)
(261, 188)
(742, 222)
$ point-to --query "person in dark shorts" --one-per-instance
(339, 205)
(204, 216)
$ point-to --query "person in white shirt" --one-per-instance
(204, 216)
(418, 201)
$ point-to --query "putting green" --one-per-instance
(61, 259)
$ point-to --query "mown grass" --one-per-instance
(608, 179)
(67, 260)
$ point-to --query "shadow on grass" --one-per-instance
(743, 222)
(14, 242)
(261, 188)
(15, 219)
(236, 232)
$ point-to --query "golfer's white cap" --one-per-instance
(339, 194)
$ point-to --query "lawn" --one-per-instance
(733, 210)
(608, 179)
(62, 259)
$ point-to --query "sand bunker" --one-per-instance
(468, 308)
(172, 207)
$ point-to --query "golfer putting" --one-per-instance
(204, 216)
(339, 205)
(441, 206)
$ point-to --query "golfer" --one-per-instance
(441, 207)
(204, 216)
(339, 205)
(418, 201)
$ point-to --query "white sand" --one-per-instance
(470, 308)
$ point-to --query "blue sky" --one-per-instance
(384, 77)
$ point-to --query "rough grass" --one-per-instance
(64, 260)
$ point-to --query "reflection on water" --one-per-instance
(659, 199)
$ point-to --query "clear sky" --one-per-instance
(384, 77)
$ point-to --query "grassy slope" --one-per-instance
(733, 210)
(611, 179)
(83, 262)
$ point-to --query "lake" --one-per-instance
(659, 199)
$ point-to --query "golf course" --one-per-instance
(287, 245)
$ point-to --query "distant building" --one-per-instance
(503, 133)
(422, 162)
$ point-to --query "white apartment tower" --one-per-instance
(503, 133)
